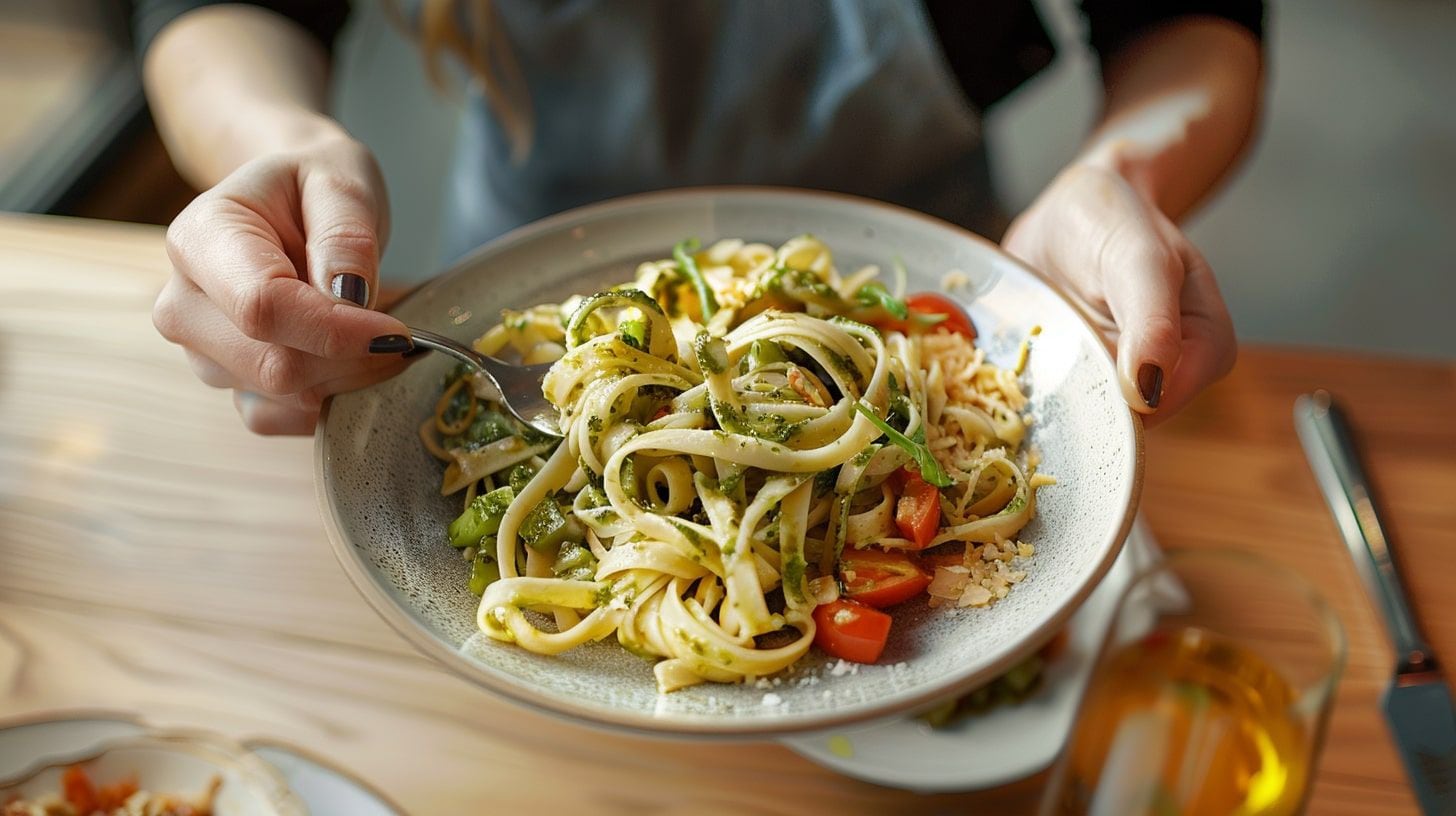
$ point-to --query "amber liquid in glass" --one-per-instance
(1183, 721)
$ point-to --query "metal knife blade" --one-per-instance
(1419, 711)
(1417, 704)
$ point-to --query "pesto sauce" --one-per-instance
(711, 353)
(794, 575)
(697, 645)
(1016, 505)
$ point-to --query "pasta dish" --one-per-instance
(759, 454)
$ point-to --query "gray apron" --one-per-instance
(635, 95)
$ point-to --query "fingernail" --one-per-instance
(415, 352)
(351, 287)
(390, 344)
(1150, 384)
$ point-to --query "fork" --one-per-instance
(519, 386)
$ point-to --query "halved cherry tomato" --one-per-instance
(932, 304)
(77, 789)
(917, 514)
(880, 579)
(851, 631)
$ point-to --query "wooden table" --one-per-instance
(157, 558)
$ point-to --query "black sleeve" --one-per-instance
(1111, 23)
(990, 47)
(321, 18)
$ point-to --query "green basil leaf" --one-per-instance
(682, 252)
(930, 469)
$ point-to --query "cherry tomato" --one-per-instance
(880, 579)
(851, 631)
(917, 513)
(931, 303)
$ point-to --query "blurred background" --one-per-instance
(1334, 232)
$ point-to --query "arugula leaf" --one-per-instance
(930, 469)
(682, 252)
(874, 293)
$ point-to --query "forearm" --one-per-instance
(229, 83)
(1181, 104)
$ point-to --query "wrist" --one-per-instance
(272, 129)
(305, 128)
(1126, 159)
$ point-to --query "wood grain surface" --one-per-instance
(156, 558)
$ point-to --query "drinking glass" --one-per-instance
(1210, 694)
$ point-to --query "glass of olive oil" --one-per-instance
(1210, 695)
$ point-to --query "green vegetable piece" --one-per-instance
(1023, 676)
(981, 697)
(874, 293)
(942, 714)
(520, 476)
(546, 528)
(930, 469)
(765, 352)
(682, 252)
(481, 518)
(483, 572)
(575, 563)
(634, 333)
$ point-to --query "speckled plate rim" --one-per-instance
(506, 685)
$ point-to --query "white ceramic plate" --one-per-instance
(381, 503)
(259, 779)
(327, 790)
(1001, 745)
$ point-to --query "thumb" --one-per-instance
(1143, 277)
(343, 223)
(1209, 347)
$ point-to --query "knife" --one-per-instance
(1417, 702)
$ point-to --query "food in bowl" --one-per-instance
(80, 796)
(760, 454)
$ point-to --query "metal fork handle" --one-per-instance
(441, 343)
(1330, 447)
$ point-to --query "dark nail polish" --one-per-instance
(414, 352)
(1150, 384)
(351, 287)
(390, 344)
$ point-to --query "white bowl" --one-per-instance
(33, 757)
(380, 497)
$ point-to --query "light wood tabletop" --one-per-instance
(157, 559)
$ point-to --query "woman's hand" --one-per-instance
(275, 271)
(1136, 274)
